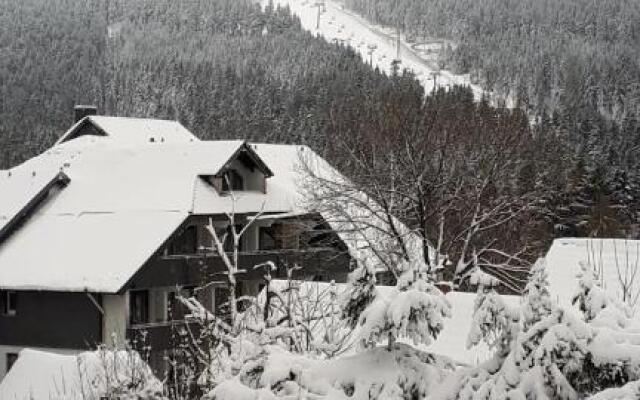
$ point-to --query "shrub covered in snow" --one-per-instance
(414, 310)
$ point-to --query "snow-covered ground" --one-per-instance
(375, 43)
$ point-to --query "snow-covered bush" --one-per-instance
(494, 323)
(310, 311)
(415, 310)
(118, 374)
(538, 303)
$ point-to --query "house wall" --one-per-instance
(52, 320)
(253, 180)
(114, 321)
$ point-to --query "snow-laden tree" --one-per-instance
(415, 309)
(538, 303)
(494, 323)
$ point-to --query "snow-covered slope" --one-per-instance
(340, 24)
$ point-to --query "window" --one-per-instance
(232, 180)
(9, 302)
(267, 240)
(138, 307)
(11, 359)
(176, 311)
(226, 236)
(184, 243)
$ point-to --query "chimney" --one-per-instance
(81, 111)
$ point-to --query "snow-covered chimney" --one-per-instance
(81, 111)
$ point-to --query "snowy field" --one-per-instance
(375, 43)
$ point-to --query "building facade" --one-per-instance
(102, 232)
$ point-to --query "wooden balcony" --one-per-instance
(329, 263)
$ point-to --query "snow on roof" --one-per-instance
(135, 130)
(17, 191)
(450, 343)
(95, 252)
(43, 375)
(615, 260)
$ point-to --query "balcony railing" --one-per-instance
(192, 269)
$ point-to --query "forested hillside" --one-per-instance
(572, 65)
(223, 68)
(554, 56)
(227, 69)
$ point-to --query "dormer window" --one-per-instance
(232, 181)
(243, 171)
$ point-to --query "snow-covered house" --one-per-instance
(88, 375)
(98, 233)
(616, 262)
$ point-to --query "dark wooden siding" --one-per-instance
(51, 319)
(331, 264)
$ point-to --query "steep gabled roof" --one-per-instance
(130, 130)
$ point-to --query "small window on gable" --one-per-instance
(232, 181)
(9, 303)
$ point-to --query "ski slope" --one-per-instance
(376, 44)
